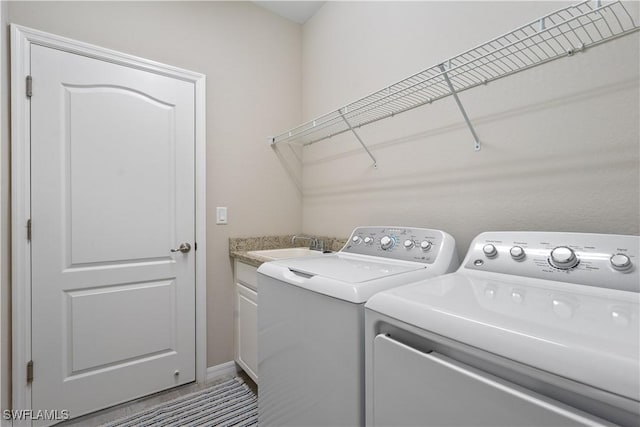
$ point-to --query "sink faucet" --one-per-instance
(315, 244)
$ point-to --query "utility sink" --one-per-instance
(275, 254)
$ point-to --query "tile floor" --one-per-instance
(129, 408)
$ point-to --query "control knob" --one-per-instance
(620, 262)
(517, 253)
(490, 250)
(425, 245)
(356, 240)
(368, 240)
(563, 257)
(387, 242)
(408, 244)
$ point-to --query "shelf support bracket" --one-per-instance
(462, 110)
(375, 162)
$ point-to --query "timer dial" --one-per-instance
(387, 242)
(563, 257)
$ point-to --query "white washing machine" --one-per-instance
(533, 329)
(311, 321)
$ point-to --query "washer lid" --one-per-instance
(588, 334)
(349, 277)
(350, 268)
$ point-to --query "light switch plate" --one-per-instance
(221, 215)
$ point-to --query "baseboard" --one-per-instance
(222, 370)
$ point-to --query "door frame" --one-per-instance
(21, 40)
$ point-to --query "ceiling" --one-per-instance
(296, 11)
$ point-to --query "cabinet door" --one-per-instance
(246, 275)
(247, 331)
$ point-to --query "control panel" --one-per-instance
(403, 243)
(609, 261)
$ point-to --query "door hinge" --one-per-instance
(29, 86)
(29, 229)
(30, 371)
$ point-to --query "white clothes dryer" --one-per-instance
(533, 329)
(311, 321)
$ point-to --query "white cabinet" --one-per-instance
(246, 321)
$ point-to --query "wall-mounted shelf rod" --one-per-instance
(375, 162)
(476, 140)
(556, 35)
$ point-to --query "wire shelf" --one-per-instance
(556, 35)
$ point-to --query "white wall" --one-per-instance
(560, 142)
(252, 62)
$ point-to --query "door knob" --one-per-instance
(184, 248)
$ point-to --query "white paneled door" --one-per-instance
(112, 193)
